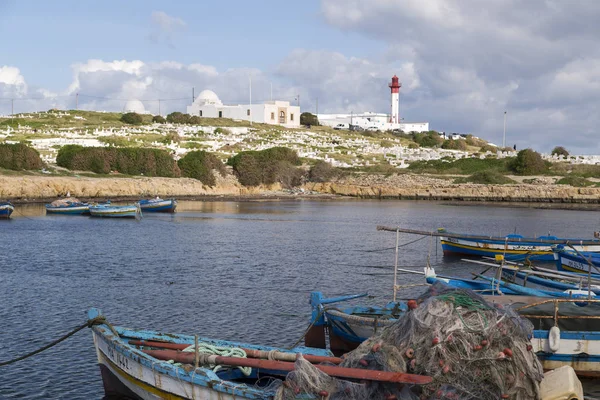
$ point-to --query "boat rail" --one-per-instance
(556, 303)
(443, 233)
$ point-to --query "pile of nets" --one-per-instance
(471, 349)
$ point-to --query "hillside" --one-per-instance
(366, 150)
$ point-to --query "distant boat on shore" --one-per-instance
(68, 206)
(6, 209)
(158, 205)
(108, 211)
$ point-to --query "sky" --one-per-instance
(462, 63)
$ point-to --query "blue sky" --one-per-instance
(225, 34)
(462, 63)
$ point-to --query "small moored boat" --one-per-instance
(515, 247)
(158, 205)
(142, 364)
(68, 206)
(566, 333)
(571, 261)
(6, 209)
(110, 211)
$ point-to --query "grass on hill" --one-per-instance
(463, 166)
(488, 177)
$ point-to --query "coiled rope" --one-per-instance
(100, 320)
(205, 348)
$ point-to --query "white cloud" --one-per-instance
(164, 27)
(12, 83)
(476, 60)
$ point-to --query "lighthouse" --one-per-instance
(395, 88)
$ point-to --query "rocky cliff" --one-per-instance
(423, 187)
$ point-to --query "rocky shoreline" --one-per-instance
(37, 188)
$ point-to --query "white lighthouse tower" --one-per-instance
(395, 87)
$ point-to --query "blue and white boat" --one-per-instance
(566, 333)
(571, 261)
(158, 205)
(110, 211)
(512, 247)
(150, 365)
(68, 206)
(6, 209)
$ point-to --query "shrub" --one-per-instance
(575, 181)
(19, 157)
(529, 162)
(386, 144)
(458, 144)
(322, 171)
(488, 177)
(466, 166)
(223, 131)
(159, 119)
(476, 142)
(172, 137)
(276, 164)
(194, 120)
(560, 151)
(178, 118)
(307, 118)
(200, 165)
(428, 139)
(132, 118)
(488, 147)
(131, 161)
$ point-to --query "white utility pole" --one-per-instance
(504, 134)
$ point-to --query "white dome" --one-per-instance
(134, 106)
(208, 97)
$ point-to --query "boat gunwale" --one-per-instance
(444, 233)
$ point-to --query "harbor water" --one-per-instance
(230, 270)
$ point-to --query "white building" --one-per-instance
(371, 120)
(271, 112)
(377, 121)
(135, 106)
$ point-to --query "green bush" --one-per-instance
(307, 118)
(428, 139)
(529, 162)
(322, 171)
(130, 161)
(575, 181)
(132, 118)
(159, 119)
(178, 118)
(454, 144)
(488, 177)
(465, 166)
(559, 150)
(277, 164)
(19, 157)
(200, 165)
(488, 147)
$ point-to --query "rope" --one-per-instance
(206, 348)
(392, 248)
(100, 320)
(321, 312)
(464, 301)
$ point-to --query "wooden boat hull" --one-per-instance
(527, 248)
(578, 349)
(165, 206)
(114, 211)
(6, 209)
(131, 373)
(572, 262)
(69, 210)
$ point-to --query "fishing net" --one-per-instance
(471, 349)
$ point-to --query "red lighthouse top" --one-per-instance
(395, 85)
